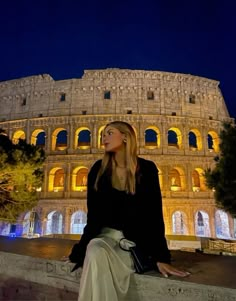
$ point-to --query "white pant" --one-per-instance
(107, 269)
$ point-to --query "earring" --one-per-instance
(125, 140)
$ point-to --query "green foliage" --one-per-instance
(20, 174)
(223, 177)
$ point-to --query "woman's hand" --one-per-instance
(167, 269)
(65, 258)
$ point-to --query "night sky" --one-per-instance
(63, 38)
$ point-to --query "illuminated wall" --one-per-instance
(176, 117)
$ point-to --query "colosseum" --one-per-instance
(177, 119)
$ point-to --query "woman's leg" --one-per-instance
(106, 271)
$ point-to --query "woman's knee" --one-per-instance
(95, 249)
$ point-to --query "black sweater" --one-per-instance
(139, 216)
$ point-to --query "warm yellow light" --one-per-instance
(83, 147)
(80, 188)
(175, 188)
(196, 189)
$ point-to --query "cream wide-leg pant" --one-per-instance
(107, 269)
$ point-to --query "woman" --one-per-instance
(124, 201)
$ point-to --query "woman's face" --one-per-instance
(113, 139)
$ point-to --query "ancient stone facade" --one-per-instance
(176, 117)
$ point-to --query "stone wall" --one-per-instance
(149, 100)
(150, 287)
(141, 92)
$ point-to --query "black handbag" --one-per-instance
(142, 263)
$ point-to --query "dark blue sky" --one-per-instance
(63, 38)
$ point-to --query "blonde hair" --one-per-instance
(108, 161)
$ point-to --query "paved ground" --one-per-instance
(50, 248)
(205, 269)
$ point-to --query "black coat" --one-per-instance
(141, 213)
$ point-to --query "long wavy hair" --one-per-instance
(131, 161)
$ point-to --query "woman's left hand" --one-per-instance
(167, 269)
(65, 258)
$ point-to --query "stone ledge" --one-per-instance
(148, 287)
(22, 290)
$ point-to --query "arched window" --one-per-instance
(177, 179)
(78, 222)
(152, 138)
(100, 137)
(174, 138)
(79, 179)
(59, 139)
(83, 139)
(5, 228)
(179, 223)
(210, 142)
(31, 224)
(54, 223)
(56, 180)
(61, 142)
(202, 227)
(222, 224)
(198, 180)
(38, 138)
(213, 141)
(192, 140)
(59, 178)
(18, 135)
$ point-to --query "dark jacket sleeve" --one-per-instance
(93, 226)
(153, 229)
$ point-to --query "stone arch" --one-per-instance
(202, 224)
(213, 141)
(56, 179)
(79, 178)
(195, 140)
(4, 228)
(38, 137)
(179, 223)
(160, 176)
(59, 139)
(82, 138)
(222, 224)
(20, 134)
(78, 222)
(26, 224)
(174, 137)
(152, 137)
(31, 224)
(100, 138)
(54, 223)
(198, 180)
(177, 179)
